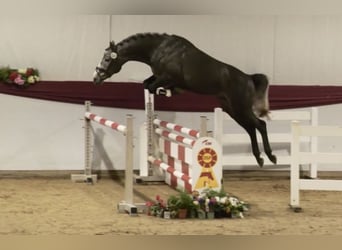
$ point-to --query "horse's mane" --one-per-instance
(140, 36)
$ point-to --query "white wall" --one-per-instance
(301, 49)
(46, 135)
(291, 49)
(62, 47)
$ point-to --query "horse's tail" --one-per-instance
(261, 103)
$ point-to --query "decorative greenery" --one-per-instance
(181, 201)
(19, 77)
(200, 205)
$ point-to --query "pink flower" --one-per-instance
(18, 80)
(149, 203)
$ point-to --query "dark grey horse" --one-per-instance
(177, 65)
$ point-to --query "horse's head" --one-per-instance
(109, 65)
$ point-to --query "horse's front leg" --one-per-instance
(155, 86)
(149, 81)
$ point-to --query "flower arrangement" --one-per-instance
(19, 77)
(219, 203)
(207, 204)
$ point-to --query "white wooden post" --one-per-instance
(294, 170)
(218, 125)
(143, 151)
(203, 126)
(144, 146)
(129, 160)
(127, 205)
(314, 143)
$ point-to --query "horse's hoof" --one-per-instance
(273, 159)
(168, 93)
(260, 162)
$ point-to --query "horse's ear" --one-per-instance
(112, 45)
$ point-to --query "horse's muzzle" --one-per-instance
(97, 79)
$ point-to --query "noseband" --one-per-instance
(101, 72)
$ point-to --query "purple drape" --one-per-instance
(131, 95)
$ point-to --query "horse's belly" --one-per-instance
(200, 86)
(204, 80)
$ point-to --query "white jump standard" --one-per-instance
(185, 158)
(87, 176)
(298, 157)
(127, 204)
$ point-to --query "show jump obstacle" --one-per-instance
(184, 158)
(127, 204)
(299, 157)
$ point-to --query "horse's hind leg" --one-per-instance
(248, 122)
(255, 148)
(261, 126)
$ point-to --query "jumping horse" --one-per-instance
(177, 65)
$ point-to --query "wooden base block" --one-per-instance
(84, 178)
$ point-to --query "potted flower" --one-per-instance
(181, 204)
(156, 208)
(199, 205)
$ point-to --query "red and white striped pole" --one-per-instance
(105, 122)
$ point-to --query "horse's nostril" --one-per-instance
(96, 80)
